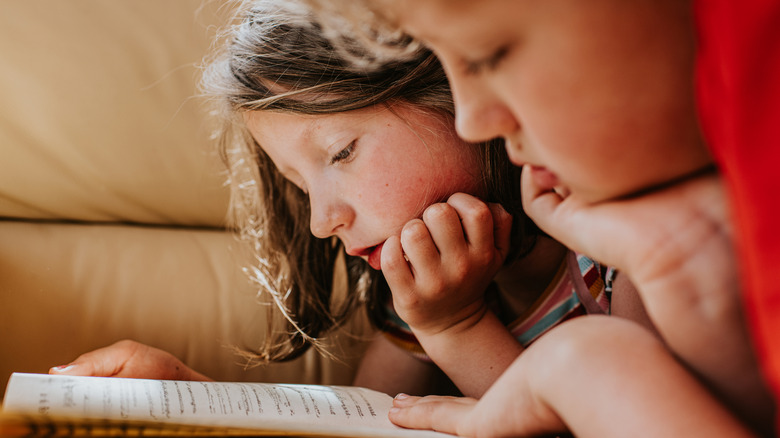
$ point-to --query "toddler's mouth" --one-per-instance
(543, 178)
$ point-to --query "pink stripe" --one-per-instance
(562, 292)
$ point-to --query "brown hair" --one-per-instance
(277, 58)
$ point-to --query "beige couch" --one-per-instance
(112, 200)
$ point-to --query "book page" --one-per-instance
(260, 406)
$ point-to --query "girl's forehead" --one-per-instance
(273, 127)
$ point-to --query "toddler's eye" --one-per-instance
(343, 155)
(488, 64)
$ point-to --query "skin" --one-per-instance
(131, 359)
(568, 382)
(596, 102)
(523, 70)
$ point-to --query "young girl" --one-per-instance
(595, 100)
(327, 159)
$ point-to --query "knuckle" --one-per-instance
(438, 212)
(436, 286)
(392, 264)
(480, 212)
(483, 256)
(461, 265)
(413, 232)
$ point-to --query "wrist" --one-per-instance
(456, 325)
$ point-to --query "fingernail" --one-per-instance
(401, 396)
(63, 368)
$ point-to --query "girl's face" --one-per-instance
(595, 95)
(368, 172)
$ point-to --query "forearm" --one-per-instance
(387, 368)
(702, 321)
(473, 353)
(595, 365)
(593, 376)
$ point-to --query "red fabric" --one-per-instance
(738, 85)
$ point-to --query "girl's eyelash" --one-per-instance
(486, 64)
(345, 154)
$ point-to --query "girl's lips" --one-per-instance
(374, 257)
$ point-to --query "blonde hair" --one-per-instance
(277, 58)
(365, 24)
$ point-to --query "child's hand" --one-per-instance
(453, 253)
(675, 246)
(574, 370)
(129, 359)
(501, 413)
(647, 236)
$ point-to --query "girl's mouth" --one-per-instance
(375, 256)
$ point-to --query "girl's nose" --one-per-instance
(480, 114)
(328, 215)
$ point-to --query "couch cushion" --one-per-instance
(66, 289)
(98, 120)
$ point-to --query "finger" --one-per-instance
(402, 400)
(442, 414)
(419, 248)
(598, 230)
(476, 218)
(502, 229)
(445, 228)
(103, 362)
(538, 204)
(395, 268)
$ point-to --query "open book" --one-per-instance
(42, 404)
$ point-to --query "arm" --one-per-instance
(595, 377)
(387, 368)
(453, 254)
(129, 359)
(675, 246)
(626, 303)
(473, 352)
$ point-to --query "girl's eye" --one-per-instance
(344, 155)
(489, 64)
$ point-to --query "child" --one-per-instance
(316, 150)
(595, 99)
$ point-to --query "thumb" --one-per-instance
(540, 205)
(82, 367)
(103, 362)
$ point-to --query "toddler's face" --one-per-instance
(367, 172)
(596, 95)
